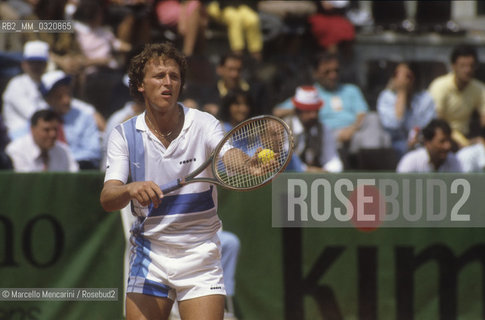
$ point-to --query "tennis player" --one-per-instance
(175, 249)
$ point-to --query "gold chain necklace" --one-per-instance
(165, 136)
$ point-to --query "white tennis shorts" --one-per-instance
(176, 272)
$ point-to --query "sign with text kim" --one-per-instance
(61, 254)
(378, 200)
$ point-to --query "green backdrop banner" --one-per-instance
(56, 235)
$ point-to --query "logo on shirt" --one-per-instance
(187, 161)
(216, 288)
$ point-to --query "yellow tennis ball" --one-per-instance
(266, 155)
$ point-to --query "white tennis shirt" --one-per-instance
(188, 214)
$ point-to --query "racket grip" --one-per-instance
(171, 186)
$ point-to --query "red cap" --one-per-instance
(306, 98)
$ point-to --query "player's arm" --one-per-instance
(116, 195)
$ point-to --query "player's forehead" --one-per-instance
(159, 63)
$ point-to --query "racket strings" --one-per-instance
(262, 134)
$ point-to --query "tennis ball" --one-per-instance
(266, 155)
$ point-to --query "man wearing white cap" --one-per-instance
(21, 97)
(79, 129)
(314, 142)
(345, 106)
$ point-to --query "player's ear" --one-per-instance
(141, 88)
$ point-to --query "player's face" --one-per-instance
(162, 83)
(439, 147)
(60, 99)
(464, 68)
(230, 72)
(45, 133)
(327, 74)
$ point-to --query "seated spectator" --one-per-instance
(243, 25)
(345, 106)
(79, 129)
(104, 55)
(402, 110)
(472, 157)
(131, 20)
(435, 155)
(64, 49)
(41, 150)
(22, 97)
(458, 94)
(187, 18)
(330, 27)
(314, 142)
(97, 41)
(229, 71)
(235, 108)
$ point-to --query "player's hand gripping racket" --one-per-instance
(248, 157)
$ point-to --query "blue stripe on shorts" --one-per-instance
(139, 266)
(139, 270)
(154, 288)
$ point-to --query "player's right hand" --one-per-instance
(146, 192)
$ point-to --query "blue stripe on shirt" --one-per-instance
(184, 203)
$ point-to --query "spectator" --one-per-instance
(103, 52)
(345, 106)
(230, 71)
(79, 129)
(22, 96)
(314, 143)
(458, 94)
(235, 107)
(329, 25)
(188, 18)
(97, 41)
(40, 150)
(131, 20)
(472, 157)
(435, 155)
(64, 50)
(243, 25)
(404, 111)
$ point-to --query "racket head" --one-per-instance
(259, 133)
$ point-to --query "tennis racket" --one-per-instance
(248, 157)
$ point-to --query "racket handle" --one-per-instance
(171, 186)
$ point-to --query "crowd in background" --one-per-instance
(293, 59)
